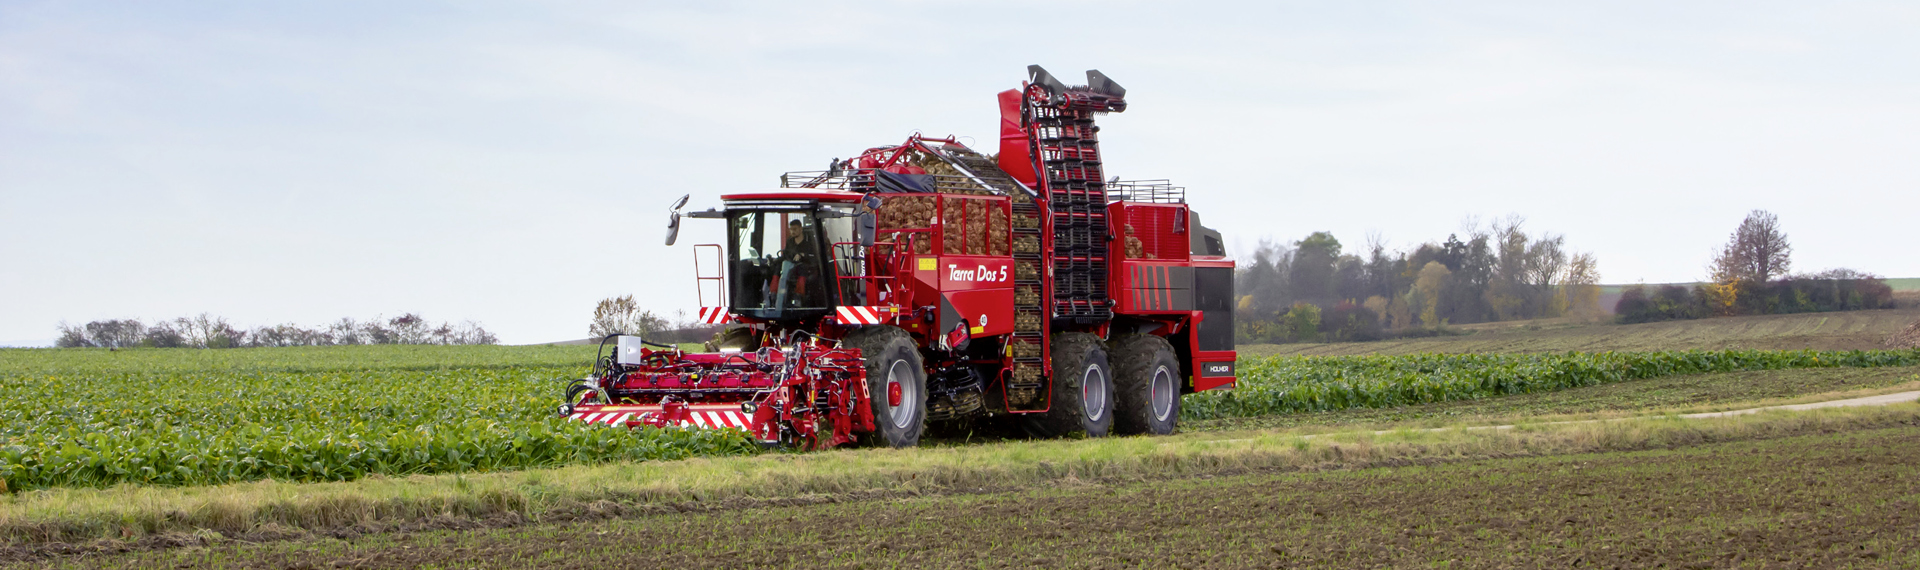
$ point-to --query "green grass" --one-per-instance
(1833, 489)
(1700, 392)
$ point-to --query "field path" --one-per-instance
(1880, 400)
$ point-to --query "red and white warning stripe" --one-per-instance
(706, 417)
(733, 418)
(715, 316)
(862, 315)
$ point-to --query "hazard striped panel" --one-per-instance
(715, 315)
(863, 315)
(705, 417)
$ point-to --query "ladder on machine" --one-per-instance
(1064, 143)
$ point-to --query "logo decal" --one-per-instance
(1216, 369)
(978, 274)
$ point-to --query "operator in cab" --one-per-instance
(796, 262)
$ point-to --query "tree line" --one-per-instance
(208, 331)
(1750, 275)
(1313, 289)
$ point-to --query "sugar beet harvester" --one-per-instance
(926, 282)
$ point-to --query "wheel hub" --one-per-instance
(1162, 393)
(902, 395)
(1093, 394)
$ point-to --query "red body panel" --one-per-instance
(1154, 279)
(1015, 158)
(1208, 373)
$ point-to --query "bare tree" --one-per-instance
(116, 333)
(72, 337)
(1757, 251)
(622, 315)
(208, 331)
(1580, 287)
(164, 335)
(411, 328)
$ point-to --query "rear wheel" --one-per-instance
(1082, 389)
(1146, 377)
(896, 383)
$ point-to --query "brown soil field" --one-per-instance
(1847, 330)
(1805, 500)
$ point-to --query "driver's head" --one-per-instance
(794, 231)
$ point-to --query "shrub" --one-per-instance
(1302, 322)
(1669, 302)
(1350, 322)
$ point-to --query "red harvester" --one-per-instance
(926, 282)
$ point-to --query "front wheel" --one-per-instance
(896, 383)
(1082, 389)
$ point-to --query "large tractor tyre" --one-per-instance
(1082, 389)
(896, 383)
(1146, 381)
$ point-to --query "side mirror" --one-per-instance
(673, 218)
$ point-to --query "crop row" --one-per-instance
(1283, 385)
(94, 418)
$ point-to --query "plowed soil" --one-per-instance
(1809, 501)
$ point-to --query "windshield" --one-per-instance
(780, 259)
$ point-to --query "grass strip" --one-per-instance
(1285, 385)
(1653, 396)
(275, 509)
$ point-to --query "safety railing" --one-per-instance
(879, 275)
(1148, 191)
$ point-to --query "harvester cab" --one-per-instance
(786, 252)
(927, 282)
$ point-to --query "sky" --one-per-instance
(511, 163)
